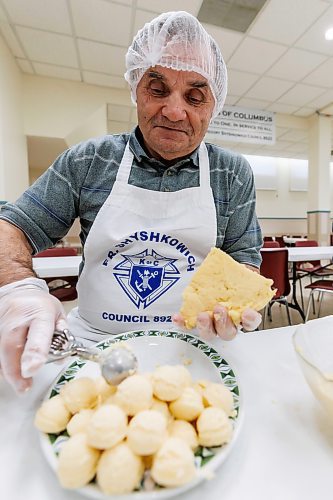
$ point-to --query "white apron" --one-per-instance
(140, 254)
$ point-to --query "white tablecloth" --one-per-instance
(56, 267)
(284, 450)
(299, 254)
(289, 240)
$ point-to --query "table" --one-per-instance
(299, 254)
(56, 267)
(284, 449)
(289, 240)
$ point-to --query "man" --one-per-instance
(151, 204)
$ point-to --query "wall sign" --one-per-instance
(236, 124)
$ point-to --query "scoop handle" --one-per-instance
(89, 353)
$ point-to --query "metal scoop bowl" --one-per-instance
(116, 364)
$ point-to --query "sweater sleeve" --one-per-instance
(243, 237)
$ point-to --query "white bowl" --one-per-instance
(313, 342)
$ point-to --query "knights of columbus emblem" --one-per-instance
(144, 277)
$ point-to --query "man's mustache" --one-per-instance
(179, 126)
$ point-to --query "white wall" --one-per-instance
(56, 108)
(281, 202)
(14, 176)
(95, 125)
(282, 210)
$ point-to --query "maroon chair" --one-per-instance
(281, 241)
(313, 268)
(321, 286)
(57, 252)
(64, 288)
(271, 244)
(275, 266)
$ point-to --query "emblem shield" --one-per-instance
(146, 276)
(145, 280)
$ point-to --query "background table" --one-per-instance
(300, 254)
(284, 450)
(289, 240)
(56, 267)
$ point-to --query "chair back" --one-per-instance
(307, 243)
(57, 252)
(275, 266)
(280, 241)
(271, 244)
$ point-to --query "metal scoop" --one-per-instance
(116, 365)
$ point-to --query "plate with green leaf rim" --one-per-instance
(154, 348)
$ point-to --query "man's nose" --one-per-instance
(174, 108)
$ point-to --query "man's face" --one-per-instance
(174, 109)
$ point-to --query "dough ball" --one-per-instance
(173, 464)
(53, 416)
(169, 381)
(119, 470)
(104, 389)
(77, 462)
(79, 422)
(146, 432)
(200, 385)
(220, 396)
(148, 375)
(110, 400)
(162, 407)
(79, 393)
(188, 406)
(134, 394)
(107, 427)
(214, 427)
(184, 430)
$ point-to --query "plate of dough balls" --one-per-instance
(157, 434)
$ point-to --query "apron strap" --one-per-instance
(204, 171)
(124, 169)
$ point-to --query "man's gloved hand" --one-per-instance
(28, 317)
(221, 324)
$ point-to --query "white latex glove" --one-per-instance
(221, 324)
(28, 317)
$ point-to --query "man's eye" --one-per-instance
(195, 97)
(157, 89)
(194, 100)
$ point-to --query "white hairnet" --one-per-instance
(178, 41)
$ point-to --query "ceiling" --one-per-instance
(282, 63)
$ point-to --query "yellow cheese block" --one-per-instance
(222, 280)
